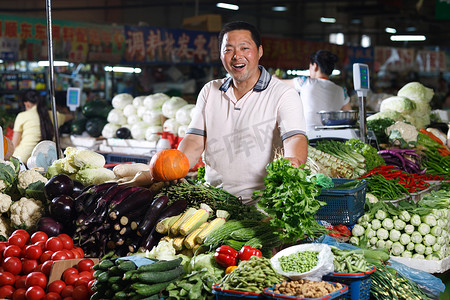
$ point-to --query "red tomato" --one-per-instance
(29, 265)
(18, 240)
(85, 265)
(67, 291)
(68, 272)
(60, 255)
(52, 296)
(54, 244)
(19, 294)
(56, 286)
(6, 291)
(12, 250)
(38, 236)
(7, 278)
(67, 241)
(82, 281)
(3, 245)
(69, 253)
(86, 274)
(46, 256)
(76, 253)
(36, 279)
(12, 264)
(22, 232)
(90, 283)
(33, 251)
(76, 248)
(40, 244)
(46, 267)
(68, 298)
(71, 279)
(80, 293)
(35, 293)
(20, 282)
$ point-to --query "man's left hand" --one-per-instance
(295, 162)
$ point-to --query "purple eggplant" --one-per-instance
(135, 201)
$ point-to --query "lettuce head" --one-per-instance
(416, 91)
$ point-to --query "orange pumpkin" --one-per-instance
(169, 164)
(8, 148)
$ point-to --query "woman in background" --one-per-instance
(317, 91)
(33, 125)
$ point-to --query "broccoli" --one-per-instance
(378, 126)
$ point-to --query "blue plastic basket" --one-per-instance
(358, 283)
(344, 206)
(222, 294)
(339, 294)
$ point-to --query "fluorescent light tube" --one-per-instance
(327, 20)
(227, 6)
(279, 8)
(390, 30)
(405, 38)
(123, 69)
(56, 63)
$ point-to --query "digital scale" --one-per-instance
(361, 85)
(73, 98)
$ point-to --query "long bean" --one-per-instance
(385, 189)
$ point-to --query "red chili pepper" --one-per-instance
(226, 256)
(246, 252)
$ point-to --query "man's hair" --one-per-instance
(325, 60)
(240, 25)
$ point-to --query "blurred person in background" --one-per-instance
(34, 124)
(317, 91)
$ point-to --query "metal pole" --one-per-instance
(362, 119)
(52, 75)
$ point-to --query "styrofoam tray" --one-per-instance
(127, 150)
(114, 142)
(426, 265)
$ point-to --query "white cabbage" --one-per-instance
(171, 125)
(183, 115)
(416, 91)
(116, 116)
(170, 107)
(155, 101)
(109, 130)
(129, 110)
(152, 117)
(121, 100)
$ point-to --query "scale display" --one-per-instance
(361, 79)
(73, 98)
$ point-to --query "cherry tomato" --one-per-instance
(46, 256)
(67, 291)
(36, 279)
(46, 267)
(71, 279)
(82, 281)
(68, 272)
(52, 296)
(38, 236)
(3, 245)
(12, 250)
(67, 241)
(7, 278)
(56, 286)
(33, 251)
(86, 274)
(18, 240)
(60, 255)
(80, 293)
(76, 248)
(20, 282)
(69, 253)
(35, 293)
(29, 265)
(54, 244)
(85, 265)
(6, 291)
(40, 244)
(19, 294)
(22, 232)
(12, 264)
(76, 253)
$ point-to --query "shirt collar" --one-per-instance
(260, 85)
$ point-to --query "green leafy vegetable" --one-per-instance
(378, 126)
(373, 159)
(289, 198)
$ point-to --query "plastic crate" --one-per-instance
(114, 158)
(344, 206)
(339, 294)
(222, 294)
(358, 283)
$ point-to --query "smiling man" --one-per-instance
(242, 120)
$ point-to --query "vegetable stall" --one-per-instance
(354, 222)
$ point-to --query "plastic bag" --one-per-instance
(429, 283)
(324, 265)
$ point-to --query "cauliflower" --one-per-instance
(5, 202)
(5, 228)
(27, 177)
(402, 134)
(94, 176)
(397, 103)
(26, 211)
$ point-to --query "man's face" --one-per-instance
(240, 55)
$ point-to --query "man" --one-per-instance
(241, 121)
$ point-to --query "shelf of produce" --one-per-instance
(426, 265)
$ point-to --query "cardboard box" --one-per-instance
(209, 22)
(59, 266)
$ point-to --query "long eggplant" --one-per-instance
(122, 196)
(134, 201)
(134, 215)
(151, 240)
(152, 215)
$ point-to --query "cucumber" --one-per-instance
(114, 279)
(103, 277)
(116, 287)
(115, 271)
(96, 296)
(161, 265)
(105, 265)
(127, 265)
(153, 289)
(164, 276)
(129, 274)
(120, 295)
(98, 272)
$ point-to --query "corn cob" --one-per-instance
(195, 220)
(164, 225)
(221, 218)
(178, 242)
(174, 228)
(189, 241)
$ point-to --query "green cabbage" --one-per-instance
(416, 91)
